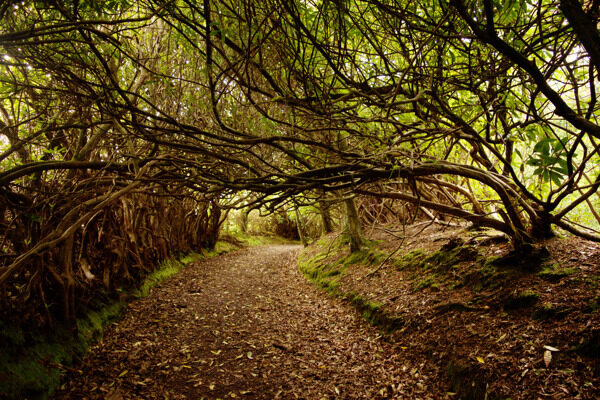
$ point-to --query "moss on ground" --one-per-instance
(428, 281)
(429, 270)
(524, 299)
(549, 311)
(554, 272)
(468, 381)
(32, 361)
(326, 268)
(593, 304)
(373, 312)
(485, 274)
(164, 271)
(438, 261)
(490, 287)
(370, 309)
(91, 327)
(453, 266)
(330, 263)
(411, 261)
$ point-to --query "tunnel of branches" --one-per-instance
(130, 129)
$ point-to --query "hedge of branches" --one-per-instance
(67, 246)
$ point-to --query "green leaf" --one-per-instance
(518, 153)
(556, 178)
(531, 132)
(543, 146)
(546, 175)
(534, 162)
(562, 166)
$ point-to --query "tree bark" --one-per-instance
(244, 220)
(325, 211)
(353, 225)
(300, 229)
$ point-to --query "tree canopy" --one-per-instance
(485, 111)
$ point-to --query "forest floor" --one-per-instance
(249, 325)
(460, 307)
(243, 325)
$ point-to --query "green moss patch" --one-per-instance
(468, 380)
(549, 311)
(91, 327)
(172, 266)
(554, 272)
(372, 312)
(485, 274)
(440, 260)
(411, 261)
(593, 305)
(330, 262)
(325, 268)
(430, 270)
(165, 270)
(428, 281)
(32, 361)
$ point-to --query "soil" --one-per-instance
(529, 330)
(249, 325)
(244, 325)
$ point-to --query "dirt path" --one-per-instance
(243, 325)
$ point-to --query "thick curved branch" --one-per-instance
(478, 219)
(27, 169)
(490, 37)
(584, 27)
(65, 228)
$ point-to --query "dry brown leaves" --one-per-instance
(246, 325)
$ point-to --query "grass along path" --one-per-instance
(244, 325)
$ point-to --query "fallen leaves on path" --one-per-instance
(245, 325)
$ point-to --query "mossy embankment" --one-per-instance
(32, 360)
(470, 311)
(327, 266)
(327, 262)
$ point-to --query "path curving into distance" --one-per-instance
(243, 325)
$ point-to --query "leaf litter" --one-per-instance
(245, 325)
(248, 325)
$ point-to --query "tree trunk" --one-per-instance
(352, 222)
(325, 211)
(541, 227)
(244, 220)
(299, 227)
(353, 225)
(68, 283)
(214, 223)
